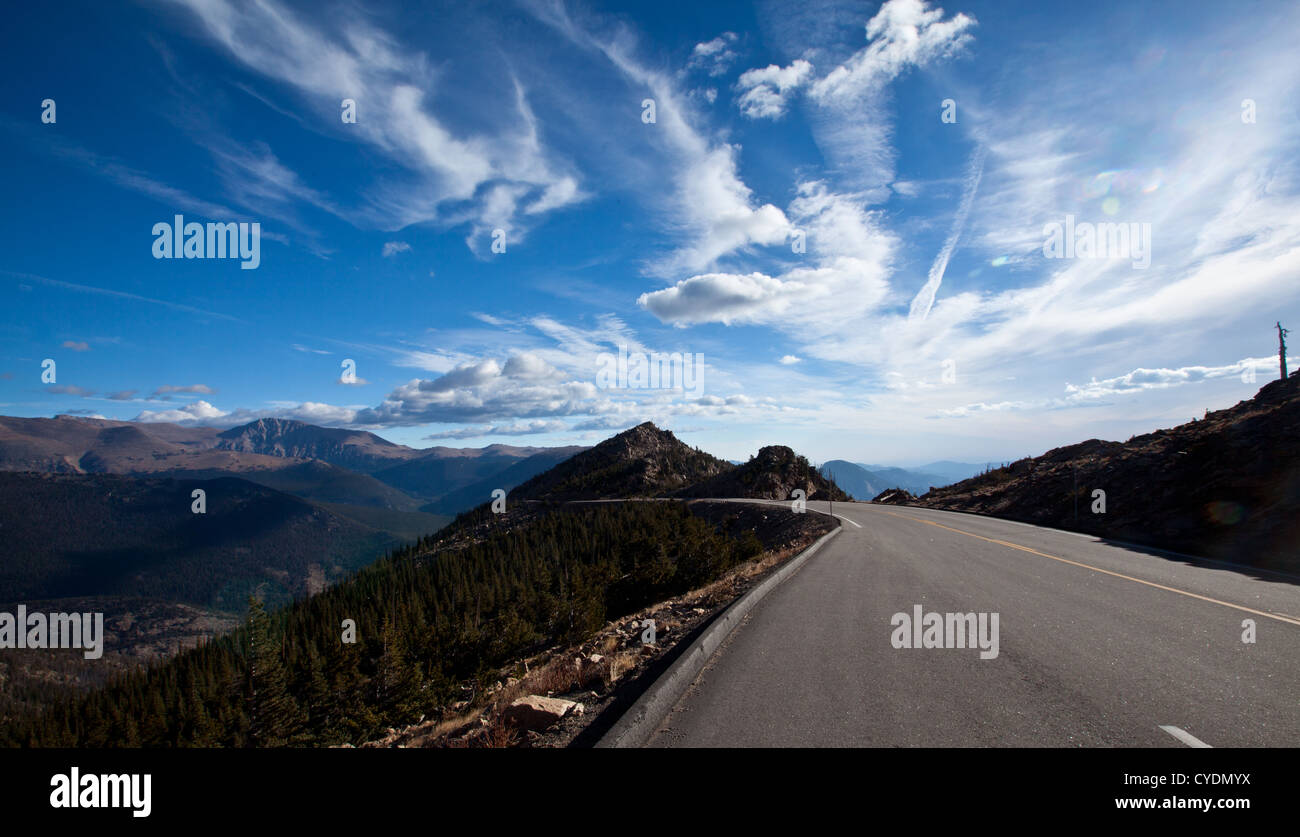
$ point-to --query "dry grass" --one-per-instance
(498, 735)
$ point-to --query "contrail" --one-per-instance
(924, 299)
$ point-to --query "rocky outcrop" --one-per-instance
(772, 474)
(895, 497)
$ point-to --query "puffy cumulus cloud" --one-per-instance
(765, 91)
(392, 248)
(852, 255)
(199, 411)
(525, 387)
(789, 360)
(311, 412)
(724, 297)
(715, 56)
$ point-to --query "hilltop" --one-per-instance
(1226, 486)
(646, 461)
(771, 474)
(643, 461)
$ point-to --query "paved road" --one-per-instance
(1098, 646)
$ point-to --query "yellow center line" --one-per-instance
(1187, 593)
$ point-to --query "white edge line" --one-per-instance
(1186, 737)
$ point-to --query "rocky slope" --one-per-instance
(641, 462)
(1226, 486)
(355, 449)
(570, 696)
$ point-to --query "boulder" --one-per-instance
(535, 712)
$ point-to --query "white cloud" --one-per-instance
(168, 389)
(392, 248)
(1142, 379)
(198, 411)
(1131, 383)
(766, 92)
(851, 255)
(715, 56)
(924, 300)
(711, 208)
(519, 428)
(452, 177)
(850, 122)
(903, 34)
(790, 360)
(524, 387)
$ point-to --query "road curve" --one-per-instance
(1099, 645)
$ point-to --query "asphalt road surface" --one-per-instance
(1098, 646)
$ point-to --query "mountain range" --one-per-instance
(866, 481)
(105, 510)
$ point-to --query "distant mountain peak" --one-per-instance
(357, 449)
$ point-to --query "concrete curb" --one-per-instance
(643, 717)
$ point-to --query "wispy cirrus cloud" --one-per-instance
(490, 177)
(168, 389)
(713, 211)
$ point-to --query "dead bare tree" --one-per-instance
(1281, 347)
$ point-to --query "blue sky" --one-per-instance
(922, 320)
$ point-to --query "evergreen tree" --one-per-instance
(273, 713)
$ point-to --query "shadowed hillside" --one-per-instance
(105, 535)
(1226, 486)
